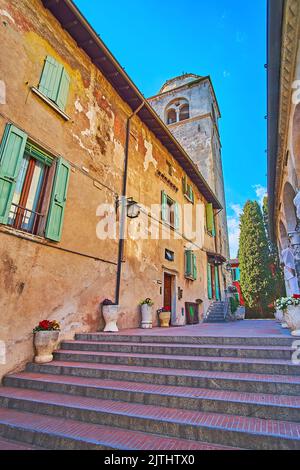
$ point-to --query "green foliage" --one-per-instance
(234, 304)
(254, 257)
(278, 278)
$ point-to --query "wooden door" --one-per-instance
(168, 290)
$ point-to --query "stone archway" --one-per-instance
(289, 207)
(296, 138)
(283, 236)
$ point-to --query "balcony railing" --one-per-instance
(24, 219)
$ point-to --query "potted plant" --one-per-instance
(146, 309)
(292, 314)
(110, 313)
(279, 316)
(45, 340)
(164, 315)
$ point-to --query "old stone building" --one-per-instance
(188, 106)
(284, 135)
(76, 134)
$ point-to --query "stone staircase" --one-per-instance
(217, 312)
(118, 391)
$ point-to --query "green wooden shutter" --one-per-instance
(209, 284)
(210, 221)
(51, 78)
(11, 154)
(184, 185)
(194, 266)
(63, 91)
(58, 201)
(217, 284)
(176, 216)
(188, 263)
(164, 208)
(191, 194)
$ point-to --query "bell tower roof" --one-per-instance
(178, 81)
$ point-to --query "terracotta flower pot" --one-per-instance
(45, 343)
(146, 316)
(164, 318)
(111, 315)
(292, 318)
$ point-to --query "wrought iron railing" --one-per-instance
(24, 219)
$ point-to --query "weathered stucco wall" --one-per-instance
(67, 281)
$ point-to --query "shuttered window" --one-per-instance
(210, 220)
(55, 82)
(209, 282)
(170, 212)
(188, 190)
(190, 265)
(24, 171)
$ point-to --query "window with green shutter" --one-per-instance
(55, 82)
(217, 284)
(188, 190)
(209, 282)
(58, 201)
(24, 184)
(210, 220)
(190, 260)
(170, 211)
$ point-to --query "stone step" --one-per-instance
(261, 383)
(265, 406)
(226, 364)
(155, 336)
(268, 352)
(236, 431)
(61, 434)
(6, 444)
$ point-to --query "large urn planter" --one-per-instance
(292, 318)
(164, 318)
(45, 343)
(279, 315)
(111, 315)
(146, 311)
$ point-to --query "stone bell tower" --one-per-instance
(188, 106)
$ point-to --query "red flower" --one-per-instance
(45, 324)
(296, 296)
(167, 309)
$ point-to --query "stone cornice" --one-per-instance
(290, 40)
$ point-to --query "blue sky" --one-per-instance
(156, 40)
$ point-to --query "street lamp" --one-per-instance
(133, 209)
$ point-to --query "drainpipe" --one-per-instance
(124, 206)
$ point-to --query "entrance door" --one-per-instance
(168, 290)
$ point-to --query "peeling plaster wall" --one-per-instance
(40, 279)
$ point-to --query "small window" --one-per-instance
(184, 112)
(172, 116)
(55, 82)
(169, 255)
(25, 176)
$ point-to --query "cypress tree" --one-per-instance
(256, 278)
(274, 262)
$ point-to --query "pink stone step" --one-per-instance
(6, 444)
(241, 424)
(93, 434)
(277, 378)
(168, 390)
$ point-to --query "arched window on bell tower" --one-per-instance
(177, 110)
(171, 116)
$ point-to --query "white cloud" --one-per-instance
(234, 229)
(260, 192)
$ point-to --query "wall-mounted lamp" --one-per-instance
(133, 209)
